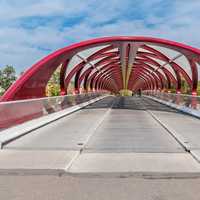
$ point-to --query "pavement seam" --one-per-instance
(172, 132)
(72, 160)
(176, 136)
(92, 130)
(97, 125)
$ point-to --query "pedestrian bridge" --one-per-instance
(102, 129)
(129, 135)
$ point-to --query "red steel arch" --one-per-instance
(112, 63)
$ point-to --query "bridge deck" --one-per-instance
(115, 138)
(115, 135)
(121, 124)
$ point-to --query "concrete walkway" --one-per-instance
(116, 135)
(116, 148)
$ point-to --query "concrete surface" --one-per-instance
(83, 188)
(137, 164)
(35, 162)
(68, 133)
(186, 126)
(196, 154)
(15, 132)
(126, 139)
(132, 131)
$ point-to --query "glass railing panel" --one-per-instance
(184, 100)
(16, 112)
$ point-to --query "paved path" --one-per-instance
(83, 188)
(127, 127)
(116, 148)
(130, 128)
(68, 133)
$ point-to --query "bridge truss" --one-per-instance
(114, 64)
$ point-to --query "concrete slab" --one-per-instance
(123, 130)
(65, 134)
(35, 162)
(186, 126)
(138, 132)
(139, 164)
(97, 188)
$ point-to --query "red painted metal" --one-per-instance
(104, 68)
(177, 69)
(149, 73)
(32, 83)
(105, 60)
(170, 77)
(62, 77)
(163, 80)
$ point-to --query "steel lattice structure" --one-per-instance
(113, 64)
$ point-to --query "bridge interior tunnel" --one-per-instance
(114, 64)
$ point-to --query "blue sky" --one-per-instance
(31, 29)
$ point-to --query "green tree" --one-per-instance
(185, 87)
(198, 89)
(7, 77)
(53, 86)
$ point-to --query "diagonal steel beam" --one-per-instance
(131, 59)
(122, 50)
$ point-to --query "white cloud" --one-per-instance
(21, 46)
(11, 10)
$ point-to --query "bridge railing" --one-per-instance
(16, 112)
(188, 103)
